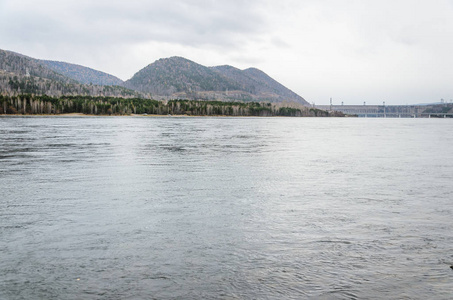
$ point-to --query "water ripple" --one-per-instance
(229, 208)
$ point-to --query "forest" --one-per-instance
(28, 104)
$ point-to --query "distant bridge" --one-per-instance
(393, 111)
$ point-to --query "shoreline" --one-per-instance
(82, 115)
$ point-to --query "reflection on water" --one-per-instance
(114, 208)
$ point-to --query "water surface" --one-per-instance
(226, 208)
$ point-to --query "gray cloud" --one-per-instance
(194, 23)
(353, 50)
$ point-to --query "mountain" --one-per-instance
(20, 74)
(81, 74)
(21, 65)
(259, 83)
(177, 77)
(167, 78)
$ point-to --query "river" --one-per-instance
(225, 208)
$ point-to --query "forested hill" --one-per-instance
(21, 65)
(169, 76)
(165, 79)
(82, 74)
(21, 74)
(259, 83)
(177, 77)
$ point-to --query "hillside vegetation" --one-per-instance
(21, 65)
(165, 79)
(170, 76)
(258, 83)
(82, 74)
(177, 77)
(20, 74)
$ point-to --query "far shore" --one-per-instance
(139, 115)
(89, 115)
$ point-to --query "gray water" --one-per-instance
(225, 208)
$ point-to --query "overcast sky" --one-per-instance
(398, 51)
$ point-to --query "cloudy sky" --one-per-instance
(398, 51)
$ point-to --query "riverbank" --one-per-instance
(81, 115)
(106, 106)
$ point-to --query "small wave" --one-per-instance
(334, 242)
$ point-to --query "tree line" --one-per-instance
(43, 104)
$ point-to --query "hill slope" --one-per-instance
(21, 65)
(22, 74)
(81, 74)
(259, 83)
(168, 78)
(177, 77)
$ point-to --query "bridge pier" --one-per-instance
(395, 111)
